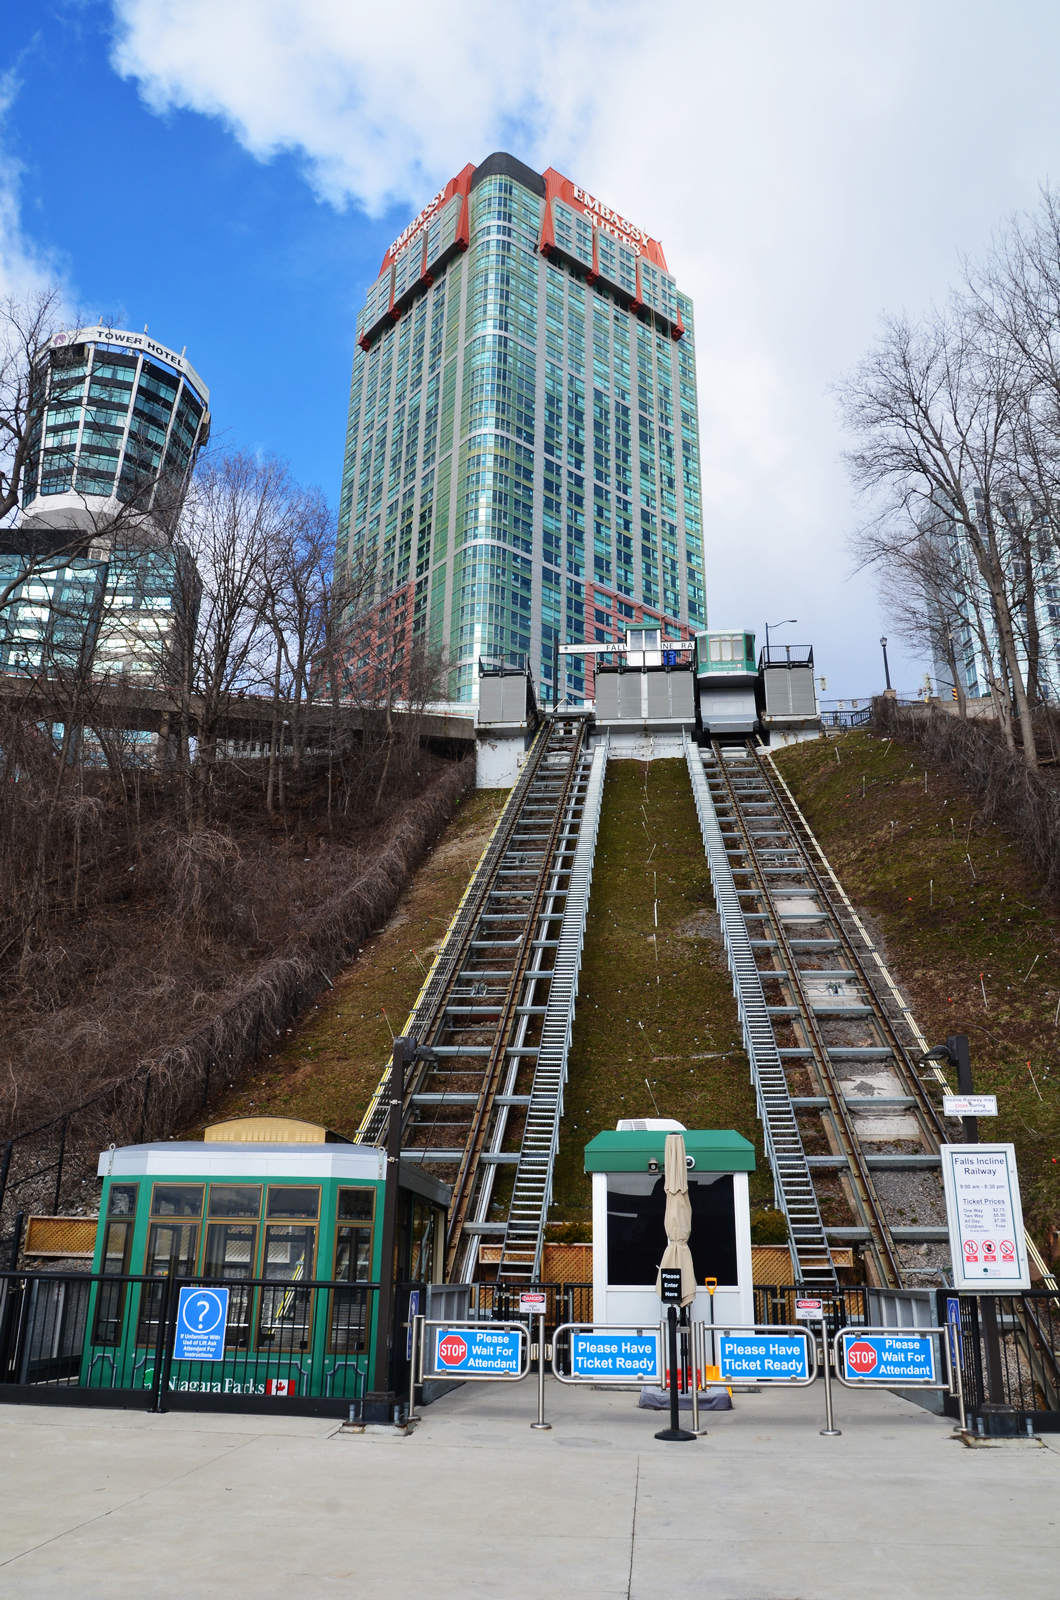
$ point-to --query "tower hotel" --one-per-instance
(522, 451)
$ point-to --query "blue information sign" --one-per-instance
(763, 1357)
(904, 1356)
(623, 1356)
(481, 1352)
(201, 1318)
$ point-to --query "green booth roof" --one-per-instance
(714, 1150)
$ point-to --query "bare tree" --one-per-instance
(935, 409)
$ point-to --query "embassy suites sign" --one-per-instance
(611, 221)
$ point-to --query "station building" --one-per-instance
(522, 450)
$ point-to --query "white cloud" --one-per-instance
(24, 269)
(806, 166)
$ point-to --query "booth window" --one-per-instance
(356, 1205)
(353, 1265)
(636, 1228)
(230, 1253)
(353, 1255)
(117, 1243)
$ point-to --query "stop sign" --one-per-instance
(452, 1350)
(861, 1357)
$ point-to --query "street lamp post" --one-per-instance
(886, 667)
(770, 625)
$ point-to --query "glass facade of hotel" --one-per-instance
(104, 588)
(120, 417)
(522, 454)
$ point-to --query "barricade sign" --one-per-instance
(888, 1358)
(772, 1354)
(609, 1354)
(201, 1318)
(497, 1351)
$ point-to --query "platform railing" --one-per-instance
(1009, 1352)
(566, 1302)
(107, 1332)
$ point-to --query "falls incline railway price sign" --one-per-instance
(985, 1217)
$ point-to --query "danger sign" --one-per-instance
(861, 1357)
(452, 1350)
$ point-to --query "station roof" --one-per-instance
(713, 1150)
(184, 1160)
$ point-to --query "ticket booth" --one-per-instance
(288, 1216)
(629, 1235)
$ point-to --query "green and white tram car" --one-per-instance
(288, 1218)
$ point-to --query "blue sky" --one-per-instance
(231, 171)
(165, 219)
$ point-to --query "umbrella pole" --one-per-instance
(674, 1431)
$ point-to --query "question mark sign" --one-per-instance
(204, 1306)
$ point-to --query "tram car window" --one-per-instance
(172, 1248)
(283, 1314)
(117, 1246)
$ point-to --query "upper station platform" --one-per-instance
(651, 693)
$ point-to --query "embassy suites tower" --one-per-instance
(522, 450)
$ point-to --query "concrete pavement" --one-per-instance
(123, 1504)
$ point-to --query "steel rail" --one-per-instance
(447, 964)
(867, 1201)
(931, 1123)
(473, 1147)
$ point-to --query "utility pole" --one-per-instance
(957, 1045)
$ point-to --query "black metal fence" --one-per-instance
(110, 1339)
(1009, 1351)
(843, 1308)
(567, 1302)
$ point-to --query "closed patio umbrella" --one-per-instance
(678, 1219)
(678, 1257)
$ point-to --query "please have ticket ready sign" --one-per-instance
(763, 1357)
(622, 1355)
(985, 1217)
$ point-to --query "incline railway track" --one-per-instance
(497, 1008)
(850, 1124)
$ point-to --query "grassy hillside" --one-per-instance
(326, 1067)
(969, 934)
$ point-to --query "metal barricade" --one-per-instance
(473, 1352)
(892, 1358)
